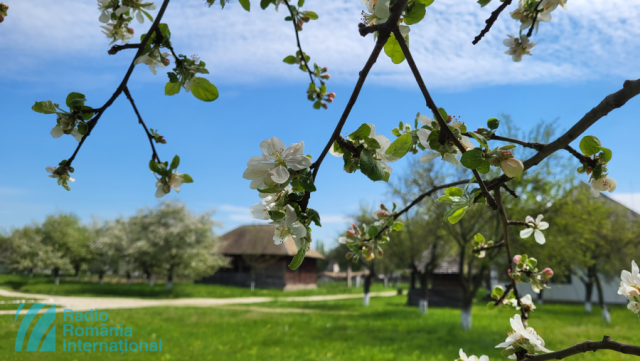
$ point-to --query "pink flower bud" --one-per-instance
(516, 259)
(325, 76)
(324, 105)
(1, 18)
(506, 154)
(512, 167)
(331, 95)
(166, 62)
(383, 207)
(351, 234)
(509, 272)
(548, 272)
(324, 69)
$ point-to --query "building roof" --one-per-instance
(258, 240)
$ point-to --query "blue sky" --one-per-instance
(50, 49)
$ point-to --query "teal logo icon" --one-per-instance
(39, 339)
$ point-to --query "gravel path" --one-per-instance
(104, 303)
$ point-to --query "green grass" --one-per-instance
(45, 285)
(12, 303)
(339, 330)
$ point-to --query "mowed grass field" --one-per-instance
(46, 286)
(336, 330)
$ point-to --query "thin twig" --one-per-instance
(92, 123)
(445, 132)
(295, 27)
(497, 245)
(510, 191)
(116, 48)
(606, 344)
(507, 289)
(135, 109)
(492, 19)
(535, 18)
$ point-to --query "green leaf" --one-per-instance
(83, 128)
(298, 258)
(307, 184)
(372, 143)
(398, 226)
(290, 59)
(492, 123)
(147, 15)
(264, 4)
(481, 140)
(204, 90)
(171, 88)
(370, 166)
(454, 192)
(607, 154)
(164, 30)
(276, 215)
(361, 133)
(415, 14)
(75, 99)
(300, 3)
(426, 2)
(245, 4)
(473, 158)
(155, 167)
(491, 305)
(186, 178)
(45, 107)
(456, 216)
(443, 113)
(314, 216)
(373, 231)
(312, 15)
(479, 237)
(484, 168)
(175, 162)
(393, 50)
(400, 146)
(589, 145)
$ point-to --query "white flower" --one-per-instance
(463, 357)
(165, 186)
(423, 136)
(122, 32)
(527, 301)
(630, 285)
(634, 307)
(522, 336)
(377, 11)
(274, 161)
(290, 226)
(138, 10)
(518, 47)
(152, 59)
(526, 17)
(63, 179)
(603, 184)
(378, 154)
(550, 5)
(103, 6)
(536, 227)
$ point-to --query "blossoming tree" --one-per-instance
(284, 176)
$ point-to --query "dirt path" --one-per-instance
(104, 303)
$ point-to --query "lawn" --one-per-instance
(338, 330)
(45, 285)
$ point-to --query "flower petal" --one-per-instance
(425, 159)
(57, 132)
(526, 233)
(279, 174)
(539, 236)
(451, 159)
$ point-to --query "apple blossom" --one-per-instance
(66, 124)
(603, 184)
(548, 272)
(516, 259)
(527, 303)
(138, 9)
(118, 31)
(62, 175)
(106, 7)
(154, 58)
(274, 162)
(165, 185)
(463, 357)
(550, 5)
(630, 287)
(535, 226)
(377, 11)
(521, 339)
(289, 226)
(518, 47)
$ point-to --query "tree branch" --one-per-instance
(135, 109)
(445, 132)
(492, 19)
(116, 48)
(606, 344)
(497, 245)
(92, 123)
(295, 27)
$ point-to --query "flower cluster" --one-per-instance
(113, 10)
(630, 288)
(153, 59)
(118, 30)
(430, 133)
(522, 340)
(3, 11)
(367, 151)
(526, 271)
(529, 13)
(510, 300)
(596, 165)
(157, 137)
(282, 176)
(366, 240)
(72, 122)
(535, 227)
(463, 357)
(184, 75)
(316, 94)
(61, 173)
(167, 176)
(479, 242)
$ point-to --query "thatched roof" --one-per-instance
(258, 240)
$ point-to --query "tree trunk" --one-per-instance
(423, 304)
(465, 317)
(412, 285)
(101, 277)
(170, 280)
(128, 275)
(56, 274)
(540, 299)
(76, 269)
(367, 285)
(588, 291)
(605, 311)
(152, 280)
(349, 275)
(31, 273)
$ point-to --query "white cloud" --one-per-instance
(630, 200)
(593, 39)
(335, 218)
(231, 208)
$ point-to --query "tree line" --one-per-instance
(167, 241)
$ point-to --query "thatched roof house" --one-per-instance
(255, 258)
